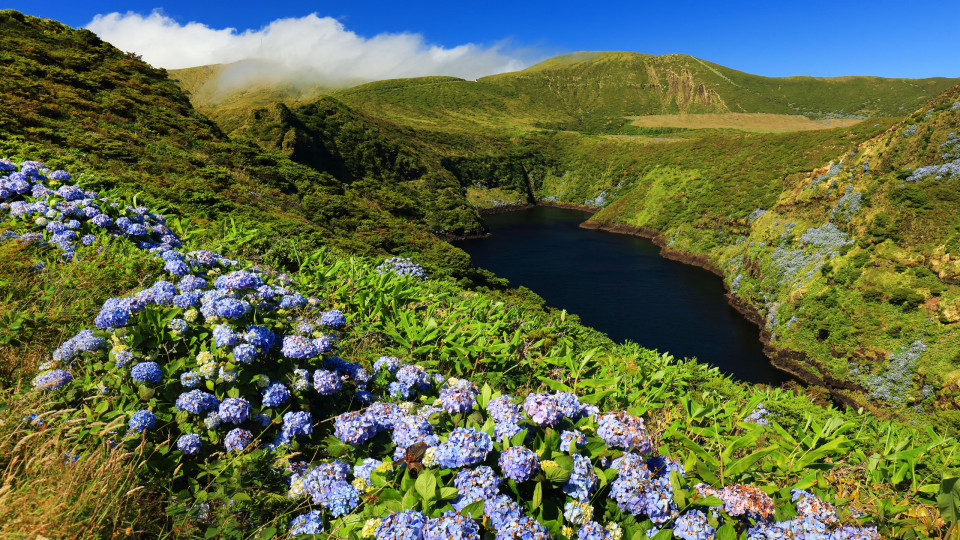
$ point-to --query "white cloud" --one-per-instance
(308, 49)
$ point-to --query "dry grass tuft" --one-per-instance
(54, 487)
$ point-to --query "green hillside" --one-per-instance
(193, 350)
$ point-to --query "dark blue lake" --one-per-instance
(620, 285)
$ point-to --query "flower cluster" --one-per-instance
(402, 267)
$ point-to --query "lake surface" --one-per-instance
(620, 285)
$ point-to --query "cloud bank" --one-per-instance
(310, 49)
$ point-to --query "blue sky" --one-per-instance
(884, 38)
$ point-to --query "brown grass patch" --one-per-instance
(755, 122)
(52, 486)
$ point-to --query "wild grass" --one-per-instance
(55, 483)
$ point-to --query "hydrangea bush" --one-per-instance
(229, 378)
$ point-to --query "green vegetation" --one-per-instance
(852, 265)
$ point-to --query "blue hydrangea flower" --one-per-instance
(244, 353)
(189, 444)
(388, 363)
(142, 420)
(466, 446)
(502, 407)
(52, 380)
(197, 401)
(275, 394)
(506, 430)
(542, 409)
(582, 479)
(224, 336)
(260, 337)
(568, 437)
(293, 301)
(147, 372)
(237, 439)
(622, 430)
(592, 530)
(406, 525)
(519, 463)
(230, 308)
(309, 523)
(354, 428)
(333, 318)
(190, 283)
(298, 347)
(325, 343)
(212, 421)
(297, 423)
(239, 279)
(326, 382)
(410, 430)
(451, 526)
(190, 379)
(178, 326)
(88, 239)
(364, 469)
(385, 415)
(693, 526)
(235, 410)
(176, 268)
(123, 357)
(456, 399)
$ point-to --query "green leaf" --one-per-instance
(426, 485)
(555, 385)
(664, 534)
(557, 474)
(474, 509)
(727, 532)
(709, 501)
(410, 499)
(447, 493)
(948, 501)
(537, 499)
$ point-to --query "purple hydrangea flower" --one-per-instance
(298, 347)
(519, 463)
(189, 444)
(275, 394)
(297, 423)
(354, 428)
(235, 410)
(465, 446)
(52, 380)
(147, 372)
(197, 401)
(142, 420)
(237, 439)
(542, 409)
(326, 382)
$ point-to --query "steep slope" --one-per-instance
(851, 267)
(78, 103)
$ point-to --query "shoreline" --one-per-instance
(787, 360)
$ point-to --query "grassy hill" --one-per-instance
(111, 443)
